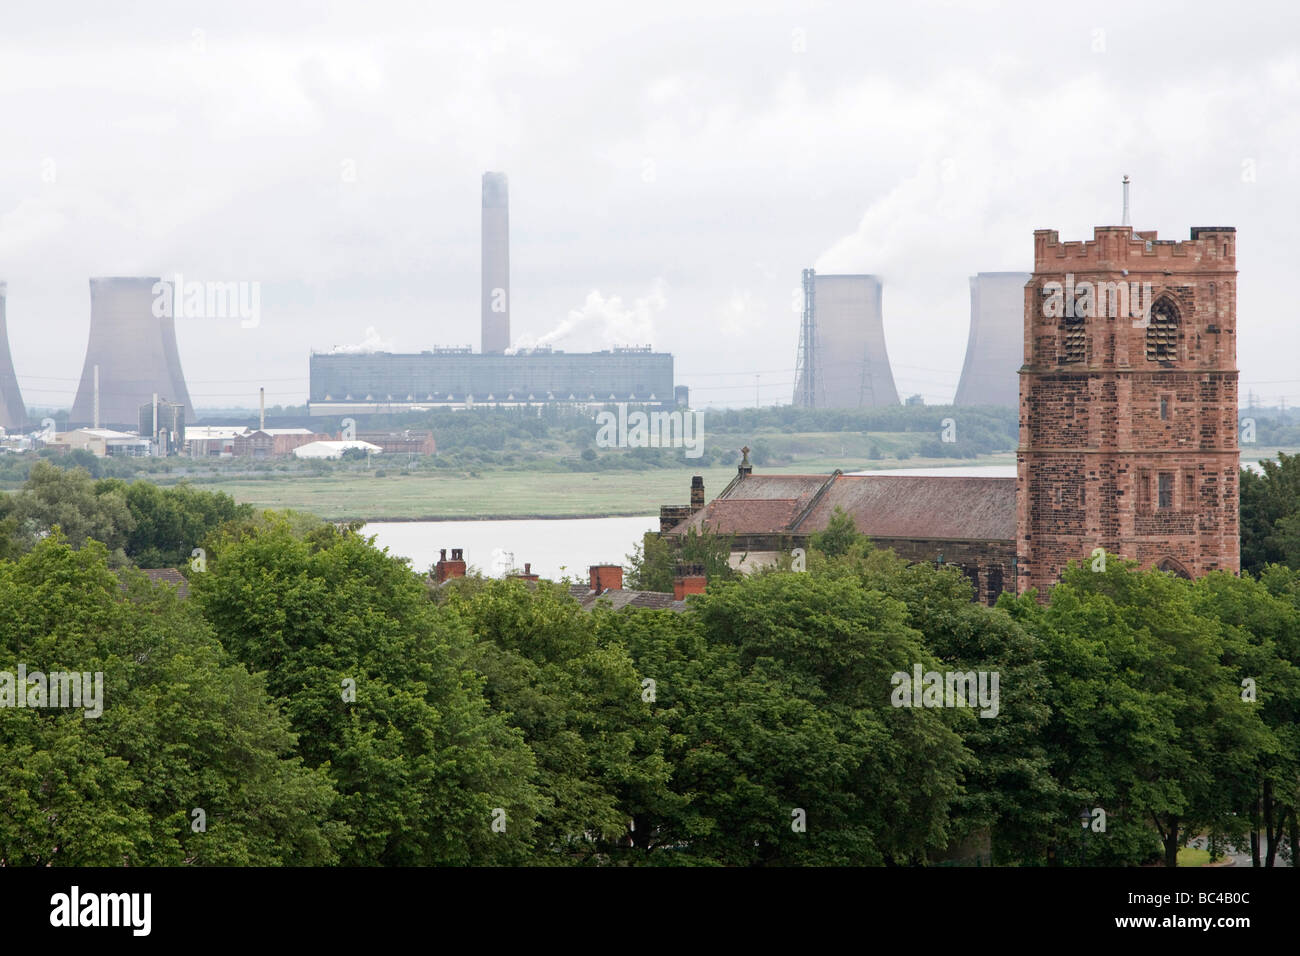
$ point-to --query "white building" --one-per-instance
(333, 449)
(105, 441)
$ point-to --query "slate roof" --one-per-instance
(883, 506)
(623, 597)
(907, 506)
(751, 516)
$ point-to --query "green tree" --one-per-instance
(580, 705)
(784, 745)
(182, 727)
(1009, 789)
(1270, 514)
(840, 536)
(375, 679)
(67, 499)
(1147, 718)
(168, 523)
(653, 565)
(1261, 622)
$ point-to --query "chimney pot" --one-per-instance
(690, 579)
(745, 467)
(444, 569)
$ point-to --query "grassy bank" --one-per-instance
(500, 492)
(509, 493)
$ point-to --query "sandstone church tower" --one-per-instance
(1128, 404)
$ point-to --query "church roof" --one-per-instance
(882, 506)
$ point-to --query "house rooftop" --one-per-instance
(619, 598)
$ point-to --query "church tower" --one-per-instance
(1128, 404)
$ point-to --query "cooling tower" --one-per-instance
(496, 263)
(995, 351)
(847, 365)
(13, 413)
(135, 351)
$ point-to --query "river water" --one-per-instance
(563, 546)
(555, 547)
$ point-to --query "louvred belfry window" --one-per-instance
(1162, 332)
(1074, 346)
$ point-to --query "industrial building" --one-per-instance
(13, 413)
(842, 359)
(334, 449)
(239, 441)
(131, 355)
(384, 382)
(405, 442)
(164, 423)
(995, 349)
(368, 383)
(103, 442)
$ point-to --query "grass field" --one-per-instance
(502, 493)
(493, 491)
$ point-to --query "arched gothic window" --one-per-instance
(1172, 566)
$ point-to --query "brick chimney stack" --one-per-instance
(527, 575)
(697, 493)
(444, 569)
(606, 577)
(690, 580)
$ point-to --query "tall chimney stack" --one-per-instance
(496, 264)
(697, 493)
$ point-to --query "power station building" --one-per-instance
(384, 382)
(13, 413)
(131, 356)
(995, 349)
(842, 361)
(369, 383)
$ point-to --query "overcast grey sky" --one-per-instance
(672, 168)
